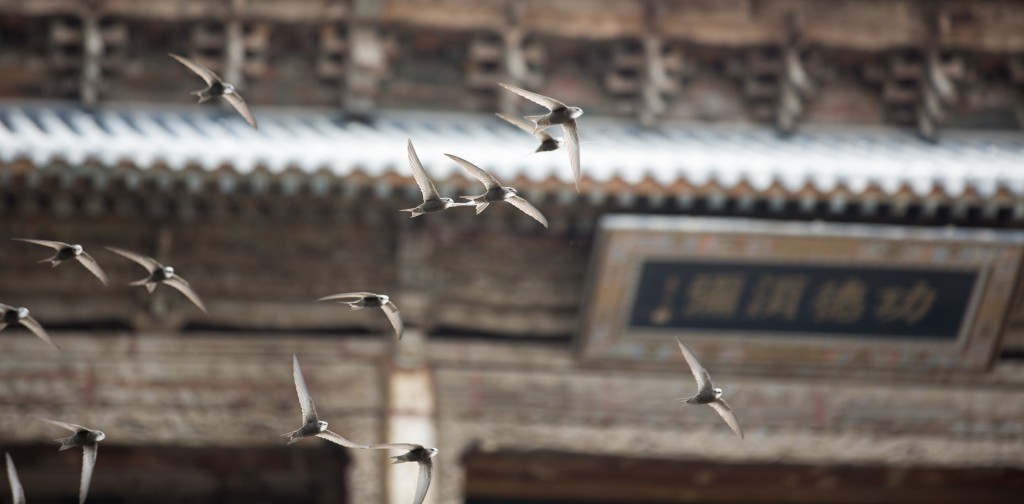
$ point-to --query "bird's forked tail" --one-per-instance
(478, 201)
(293, 436)
(539, 122)
(65, 443)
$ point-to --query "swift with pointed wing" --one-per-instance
(420, 454)
(19, 315)
(432, 200)
(89, 440)
(311, 423)
(217, 87)
(360, 300)
(67, 252)
(560, 114)
(707, 393)
(160, 274)
(496, 192)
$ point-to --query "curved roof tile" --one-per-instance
(824, 158)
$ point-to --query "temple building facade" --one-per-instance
(824, 200)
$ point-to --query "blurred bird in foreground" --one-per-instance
(17, 493)
(217, 87)
(89, 440)
(707, 393)
(360, 300)
(160, 274)
(417, 453)
(11, 315)
(66, 252)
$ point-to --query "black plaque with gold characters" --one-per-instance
(822, 300)
(769, 293)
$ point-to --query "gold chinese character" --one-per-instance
(714, 295)
(662, 313)
(841, 302)
(909, 305)
(776, 296)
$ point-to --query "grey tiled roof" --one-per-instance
(312, 141)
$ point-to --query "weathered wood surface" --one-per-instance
(564, 477)
(513, 398)
(853, 24)
(721, 57)
(199, 474)
(234, 390)
(470, 277)
(973, 411)
(186, 390)
(260, 254)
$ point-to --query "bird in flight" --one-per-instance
(311, 423)
(496, 192)
(548, 143)
(707, 393)
(217, 87)
(19, 315)
(432, 201)
(560, 114)
(17, 493)
(89, 440)
(416, 453)
(66, 252)
(360, 300)
(160, 274)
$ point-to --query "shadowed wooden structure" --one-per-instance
(494, 369)
(560, 478)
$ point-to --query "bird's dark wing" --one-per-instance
(182, 285)
(344, 295)
(199, 70)
(17, 492)
(572, 144)
(395, 446)
(69, 426)
(725, 411)
(337, 439)
(56, 245)
(396, 320)
(88, 465)
(539, 99)
(487, 179)
(305, 400)
(93, 266)
(526, 126)
(699, 374)
(149, 263)
(238, 102)
(33, 325)
(520, 203)
(423, 481)
(422, 180)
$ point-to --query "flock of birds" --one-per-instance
(558, 114)
(158, 273)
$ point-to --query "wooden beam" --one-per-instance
(567, 478)
(849, 24)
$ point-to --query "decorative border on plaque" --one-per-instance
(764, 293)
